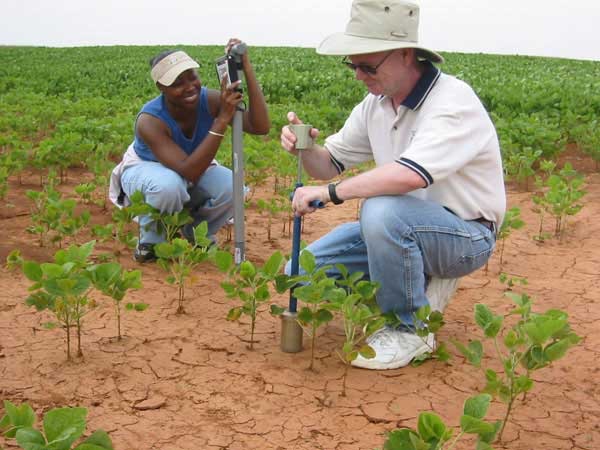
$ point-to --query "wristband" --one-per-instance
(214, 133)
(332, 194)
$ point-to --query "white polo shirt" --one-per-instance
(442, 132)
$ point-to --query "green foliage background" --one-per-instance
(85, 99)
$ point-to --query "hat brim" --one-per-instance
(171, 75)
(342, 44)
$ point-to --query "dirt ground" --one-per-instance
(190, 382)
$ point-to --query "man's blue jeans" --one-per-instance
(401, 242)
(210, 199)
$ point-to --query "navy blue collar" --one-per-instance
(419, 93)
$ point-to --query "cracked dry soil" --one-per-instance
(190, 382)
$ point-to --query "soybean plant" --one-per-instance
(534, 342)
(512, 221)
(61, 428)
(315, 291)
(432, 434)
(53, 213)
(248, 284)
(63, 287)
(180, 257)
(355, 302)
(113, 281)
(124, 216)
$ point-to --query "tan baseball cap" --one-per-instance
(377, 26)
(171, 66)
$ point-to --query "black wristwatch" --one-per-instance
(332, 195)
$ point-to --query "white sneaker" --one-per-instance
(439, 292)
(394, 349)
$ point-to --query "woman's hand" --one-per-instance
(230, 98)
(235, 41)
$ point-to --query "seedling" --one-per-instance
(170, 224)
(179, 258)
(85, 191)
(433, 434)
(113, 281)
(511, 281)
(520, 164)
(315, 291)
(355, 301)
(61, 428)
(425, 322)
(53, 213)
(122, 217)
(248, 284)
(533, 343)
(63, 287)
(561, 197)
(272, 208)
(512, 221)
(430, 322)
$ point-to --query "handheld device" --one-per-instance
(227, 67)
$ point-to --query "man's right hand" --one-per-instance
(288, 139)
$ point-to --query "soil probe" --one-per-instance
(237, 153)
(291, 331)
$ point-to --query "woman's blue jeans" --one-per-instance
(401, 242)
(210, 199)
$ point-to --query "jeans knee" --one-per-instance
(167, 194)
(379, 218)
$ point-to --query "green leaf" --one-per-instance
(483, 315)
(273, 264)
(229, 288)
(472, 425)
(307, 261)
(64, 425)
(234, 314)
(366, 351)
(431, 427)
(523, 384)
(224, 260)
(277, 310)
(30, 439)
(403, 440)
(98, 440)
(32, 271)
(351, 356)
(493, 328)
(19, 416)
(473, 352)
(305, 316)
(5, 421)
(477, 405)
(323, 316)
(283, 283)
(247, 270)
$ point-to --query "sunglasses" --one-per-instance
(365, 68)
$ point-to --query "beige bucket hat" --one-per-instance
(376, 26)
(171, 66)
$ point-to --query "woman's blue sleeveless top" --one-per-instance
(158, 108)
